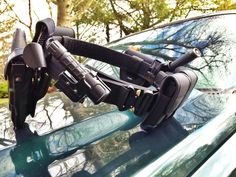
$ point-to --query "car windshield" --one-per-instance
(215, 69)
(73, 139)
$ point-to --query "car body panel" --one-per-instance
(222, 162)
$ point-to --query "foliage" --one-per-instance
(140, 14)
(3, 101)
(66, 12)
(3, 90)
(130, 16)
(185, 8)
(6, 30)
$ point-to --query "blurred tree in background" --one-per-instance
(67, 10)
(6, 30)
(129, 16)
(103, 21)
(126, 16)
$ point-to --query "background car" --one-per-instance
(72, 139)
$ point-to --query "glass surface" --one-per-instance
(215, 41)
(215, 37)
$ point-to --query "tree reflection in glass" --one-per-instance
(215, 37)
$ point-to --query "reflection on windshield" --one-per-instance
(53, 111)
(215, 37)
(34, 153)
(216, 42)
(200, 108)
(215, 69)
(61, 152)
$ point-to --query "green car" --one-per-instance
(83, 140)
